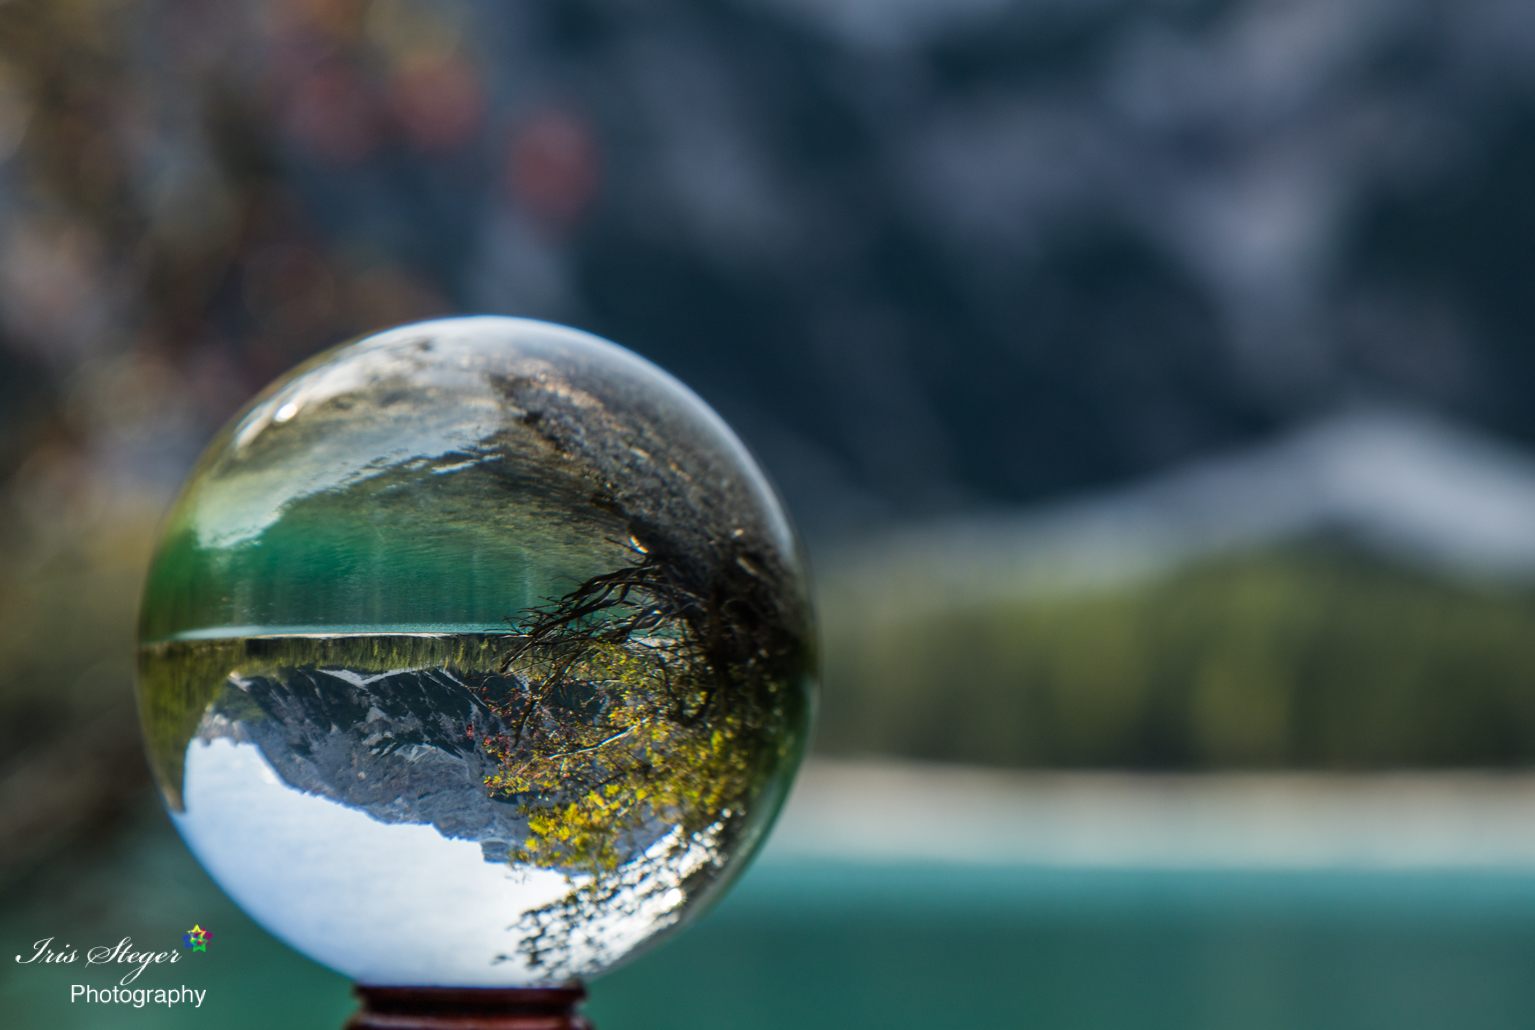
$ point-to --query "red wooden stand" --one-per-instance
(468, 1008)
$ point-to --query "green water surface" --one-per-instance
(838, 945)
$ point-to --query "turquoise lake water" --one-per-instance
(820, 943)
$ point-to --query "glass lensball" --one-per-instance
(475, 653)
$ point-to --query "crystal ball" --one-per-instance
(476, 652)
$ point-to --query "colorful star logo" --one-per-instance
(196, 938)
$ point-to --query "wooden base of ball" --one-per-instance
(468, 1008)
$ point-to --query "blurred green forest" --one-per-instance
(71, 565)
(1304, 656)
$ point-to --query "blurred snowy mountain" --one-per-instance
(1407, 486)
(932, 256)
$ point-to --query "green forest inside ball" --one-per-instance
(476, 652)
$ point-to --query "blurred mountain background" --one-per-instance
(1152, 380)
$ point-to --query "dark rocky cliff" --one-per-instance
(403, 746)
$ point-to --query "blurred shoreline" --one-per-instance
(896, 812)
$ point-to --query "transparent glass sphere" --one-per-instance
(475, 653)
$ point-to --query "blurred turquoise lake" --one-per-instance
(816, 942)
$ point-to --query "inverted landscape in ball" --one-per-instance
(475, 653)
